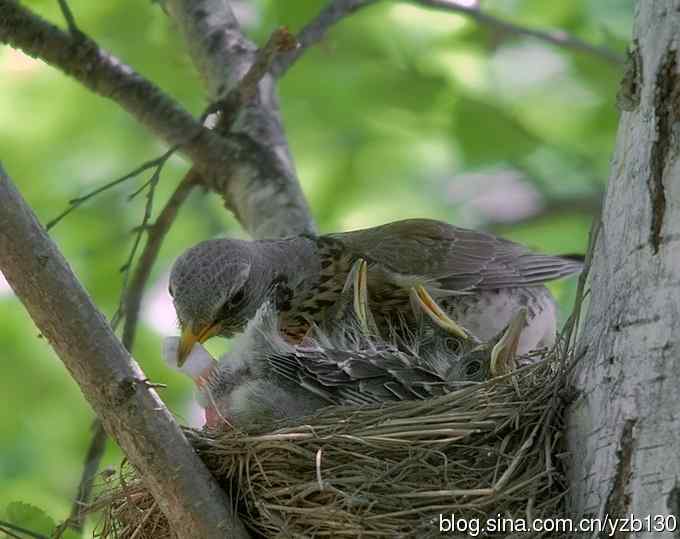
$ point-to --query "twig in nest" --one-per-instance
(571, 326)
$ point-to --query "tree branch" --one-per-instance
(336, 10)
(69, 18)
(131, 296)
(108, 77)
(316, 30)
(110, 379)
(559, 38)
(233, 166)
(90, 468)
(238, 97)
(157, 232)
(268, 200)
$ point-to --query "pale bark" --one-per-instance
(624, 424)
(263, 192)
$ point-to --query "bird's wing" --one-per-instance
(455, 258)
(350, 378)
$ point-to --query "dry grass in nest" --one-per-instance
(483, 450)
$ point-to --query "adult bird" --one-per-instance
(474, 278)
(342, 362)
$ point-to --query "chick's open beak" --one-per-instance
(504, 352)
(422, 298)
(189, 338)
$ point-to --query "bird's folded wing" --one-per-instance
(455, 258)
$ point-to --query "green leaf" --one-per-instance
(29, 517)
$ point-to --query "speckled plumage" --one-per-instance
(479, 279)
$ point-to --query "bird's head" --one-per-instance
(214, 290)
(460, 357)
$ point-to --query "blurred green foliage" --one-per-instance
(402, 111)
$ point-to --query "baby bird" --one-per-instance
(345, 362)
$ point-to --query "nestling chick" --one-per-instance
(265, 378)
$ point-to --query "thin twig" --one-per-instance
(92, 460)
(281, 41)
(5, 527)
(70, 19)
(7, 532)
(157, 233)
(557, 37)
(572, 324)
(221, 54)
(107, 76)
(336, 10)
(125, 269)
(316, 30)
(76, 202)
(99, 436)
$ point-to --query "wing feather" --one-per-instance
(457, 258)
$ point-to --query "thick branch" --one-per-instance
(109, 77)
(222, 161)
(268, 201)
(110, 379)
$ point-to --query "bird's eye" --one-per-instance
(231, 306)
(472, 368)
(452, 345)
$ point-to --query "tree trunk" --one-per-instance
(624, 424)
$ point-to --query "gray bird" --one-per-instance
(266, 378)
(477, 279)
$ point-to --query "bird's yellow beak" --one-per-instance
(189, 338)
(503, 354)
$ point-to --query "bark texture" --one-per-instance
(264, 192)
(624, 425)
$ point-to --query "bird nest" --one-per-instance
(490, 450)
